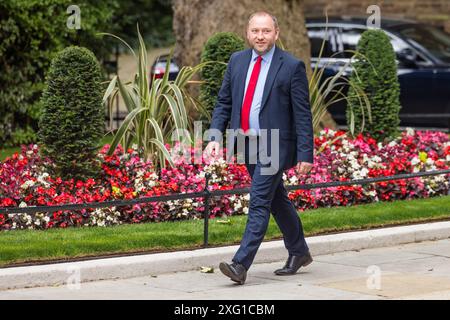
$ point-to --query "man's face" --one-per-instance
(261, 33)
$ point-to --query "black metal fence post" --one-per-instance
(206, 217)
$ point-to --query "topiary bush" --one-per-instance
(219, 48)
(376, 73)
(72, 122)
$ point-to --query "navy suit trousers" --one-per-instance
(268, 194)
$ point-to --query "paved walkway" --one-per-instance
(412, 271)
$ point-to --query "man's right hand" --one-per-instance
(212, 146)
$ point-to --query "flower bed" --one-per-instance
(24, 181)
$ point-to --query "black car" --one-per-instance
(423, 59)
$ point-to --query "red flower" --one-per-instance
(7, 202)
(79, 184)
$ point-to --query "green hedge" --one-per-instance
(72, 122)
(219, 47)
(376, 73)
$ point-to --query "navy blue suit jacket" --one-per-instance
(284, 106)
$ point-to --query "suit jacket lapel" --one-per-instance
(277, 61)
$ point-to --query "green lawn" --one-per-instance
(31, 245)
(8, 152)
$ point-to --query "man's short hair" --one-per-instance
(264, 13)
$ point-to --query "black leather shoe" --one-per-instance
(294, 263)
(234, 271)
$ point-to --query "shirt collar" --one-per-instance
(266, 56)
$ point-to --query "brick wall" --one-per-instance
(436, 12)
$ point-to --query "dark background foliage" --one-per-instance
(33, 31)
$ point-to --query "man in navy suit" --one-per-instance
(265, 94)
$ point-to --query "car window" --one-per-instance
(332, 43)
(437, 42)
(338, 40)
(349, 37)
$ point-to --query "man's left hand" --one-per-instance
(304, 167)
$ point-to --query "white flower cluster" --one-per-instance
(27, 184)
(240, 203)
(22, 221)
(410, 131)
(141, 183)
(215, 168)
(42, 179)
(187, 207)
(40, 219)
(103, 217)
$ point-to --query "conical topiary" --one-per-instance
(376, 73)
(219, 48)
(72, 122)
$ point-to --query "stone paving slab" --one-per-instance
(271, 251)
(404, 274)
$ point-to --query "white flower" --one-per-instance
(372, 193)
(376, 159)
(245, 210)
(409, 131)
(415, 161)
(392, 143)
(364, 172)
(355, 165)
(293, 180)
(153, 176)
(27, 184)
(140, 173)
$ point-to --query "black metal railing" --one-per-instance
(207, 195)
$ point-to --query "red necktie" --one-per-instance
(246, 106)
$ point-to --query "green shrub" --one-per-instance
(376, 74)
(32, 32)
(72, 122)
(219, 48)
